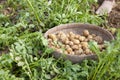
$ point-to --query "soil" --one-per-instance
(114, 16)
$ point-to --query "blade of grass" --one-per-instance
(35, 14)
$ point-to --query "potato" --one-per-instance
(69, 50)
(74, 44)
(71, 38)
(60, 32)
(71, 33)
(67, 46)
(59, 50)
(81, 38)
(75, 41)
(57, 46)
(65, 52)
(79, 45)
(86, 40)
(101, 47)
(49, 40)
(75, 47)
(79, 51)
(93, 35)
(87, 51)
(71, 43)
(77, 36)
(66, 42)
(84, 45)
(63, 38)
(67, 35)
(72, 53)
(52, 36)
(90, 37)
(98, 39)
(51, 44)
(86, 33)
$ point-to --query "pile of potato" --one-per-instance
(74, 44)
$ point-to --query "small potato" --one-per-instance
(75, 47)
(63, 36)
(86, 33)
(98, 39)
(65, 52)
(59, 50)
(86, 40)
(67, 46)
(84, 45)
(51, 44)
(87, 51)
(49, 40)
(57, 46)
(75, 41)
(77, 36)
(66, 38)
(66, 42)
(101, 47)
(71, 43)
(81, 38)
(67, 35)
(79, 51)
(79, 45)
(90, 37)
(93, 35)
(71, 37)
(52, 36)
(83, 55)
(69, 50)
(62, 40)
(60, 32)
(62, 46)
(72, 53)
(71, 33)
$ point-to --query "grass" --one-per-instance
(29, 58)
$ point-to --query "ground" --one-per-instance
(22, 27)
(114, 17)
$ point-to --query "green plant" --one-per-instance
(29, 58)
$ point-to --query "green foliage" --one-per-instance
(29, 58)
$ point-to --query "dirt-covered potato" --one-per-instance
(74, 44)
(93, 35)
(79, 51)
(86, 33)
(90, 37)
(87, 51)
(81, 38)
(52, 36)
(84, 45)
(75, 47)
(98, 39)
(71, 43)
(75, 41)
(69, 50)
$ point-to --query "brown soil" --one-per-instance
(114, 16)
